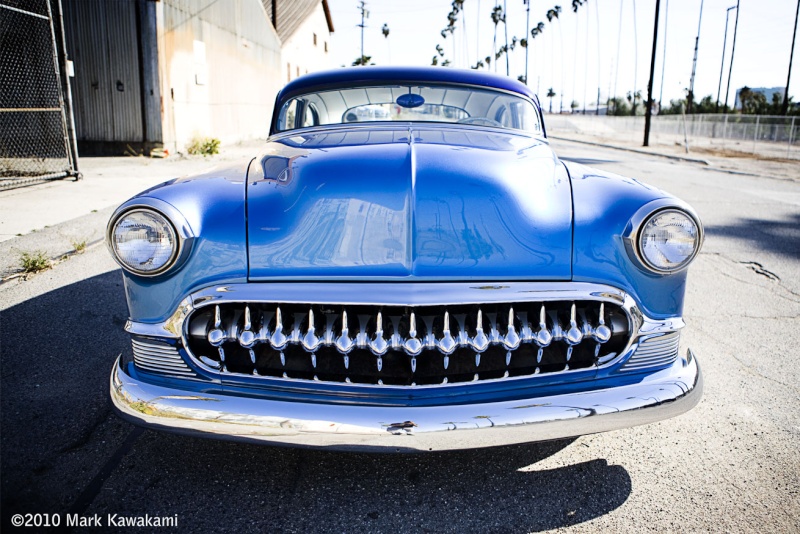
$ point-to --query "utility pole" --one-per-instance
(664, 56)
(649, 110)
(364, 15)
(733, 49)
(722, 66)
(690, 96)
(791, 57)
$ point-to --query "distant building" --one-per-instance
(766, 91)
(304, 28)
(151, 74)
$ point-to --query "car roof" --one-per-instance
(344, 77)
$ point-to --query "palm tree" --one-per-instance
(550, 95)
(497, 16)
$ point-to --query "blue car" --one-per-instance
(405, 266)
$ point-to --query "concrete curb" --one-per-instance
(636, 150)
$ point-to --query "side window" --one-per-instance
(311, 117)
(286, 120)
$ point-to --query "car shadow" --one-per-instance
(62, 449)
(780, 237)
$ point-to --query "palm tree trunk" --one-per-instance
(527, 36)
(505, 30)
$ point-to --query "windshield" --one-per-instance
(404, 103)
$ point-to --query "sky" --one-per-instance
(578, 49)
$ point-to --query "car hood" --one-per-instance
(408, 203)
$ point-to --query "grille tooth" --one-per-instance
(216, 336)
(311, 341)
(573, 335)
(602, 333)
(377, 345)
(246, 337)
(412, 346)
(479, 342)
(543, 337)
(278, 340)
(511, 339)
(447, 344)
(343, 343)
(400, 345)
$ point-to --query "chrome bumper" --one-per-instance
(659, 396)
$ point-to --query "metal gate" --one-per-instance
(36, 137)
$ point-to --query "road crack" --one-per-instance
(759, 269)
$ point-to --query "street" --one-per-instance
(731, 464)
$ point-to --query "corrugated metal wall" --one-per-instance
(102, 41)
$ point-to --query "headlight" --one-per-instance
(144, 242)
(668, 240)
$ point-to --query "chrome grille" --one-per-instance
(159, 358)
(405, 345)
(655, 351)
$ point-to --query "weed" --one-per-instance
(207, 146)
(78, 244)
(34, 262)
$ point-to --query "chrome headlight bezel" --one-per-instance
(643, 217)
(178, 234)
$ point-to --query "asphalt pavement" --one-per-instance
(732, 464)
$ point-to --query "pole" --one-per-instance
(363, 11)
(635, 60)
(791, 57)
(722, 65)
(61, 50)
(616, 70)
(649, 111)
(599, 57)
(527, 35)
(664, 57)
(733, 49)
(505, 30)
(690, 97)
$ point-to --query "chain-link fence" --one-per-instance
(34, 141)
(775, 137)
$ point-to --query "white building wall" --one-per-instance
(220, 69)
(301, 54)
